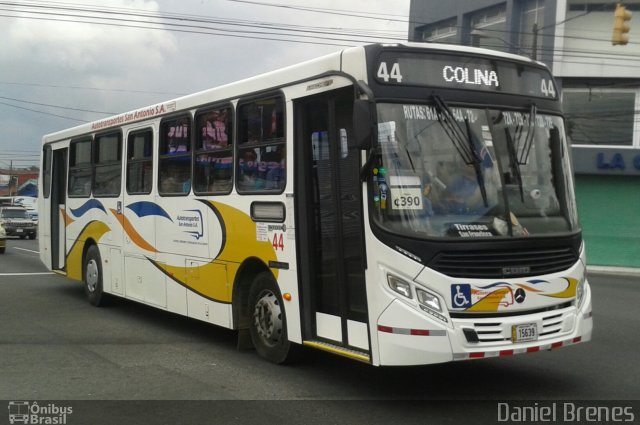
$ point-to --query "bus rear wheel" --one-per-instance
(93, 277)
(268, 321)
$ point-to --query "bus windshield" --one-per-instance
(471, 173)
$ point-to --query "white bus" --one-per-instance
(394, 204)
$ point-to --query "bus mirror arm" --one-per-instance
(366, 168)
(364, 112)
(363, 130)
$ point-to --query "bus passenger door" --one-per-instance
(57, 210)
(329, 218)
(142, 282)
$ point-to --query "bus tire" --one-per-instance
(93, 276)
(268, 323)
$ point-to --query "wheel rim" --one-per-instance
(92, 275)
(267, 318)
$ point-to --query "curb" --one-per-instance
(618, 271)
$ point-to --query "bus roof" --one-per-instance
(261, 82)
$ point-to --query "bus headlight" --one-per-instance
(428, 300)
(400, 286)
(580, 290)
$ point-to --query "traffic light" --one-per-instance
(620, 27)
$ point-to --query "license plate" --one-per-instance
(524, 333)
(19, 230)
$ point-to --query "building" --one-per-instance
(601, 95)
(18, 182)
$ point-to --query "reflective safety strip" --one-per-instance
(416, 332)
(505, 353)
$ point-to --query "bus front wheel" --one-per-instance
(268, 320)
(93, 276)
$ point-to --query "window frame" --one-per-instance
(149, 159)
(635, 140)
(97, 164)
(73, 166)
(243, 146)
(47, 158)
(163, 156)
(437, 31)
(230, 148)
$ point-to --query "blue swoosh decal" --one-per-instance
(534, 282)
(89, 205)
(494, 285)
(146, 208)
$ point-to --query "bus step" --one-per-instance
(339, 350)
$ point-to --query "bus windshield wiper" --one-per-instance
(515, 163)
(453, 130)
(463, 142)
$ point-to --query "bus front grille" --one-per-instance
(504, 264)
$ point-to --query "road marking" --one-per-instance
(28, 250)
(24, 274)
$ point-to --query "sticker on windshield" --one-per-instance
(387, 134)
(471, 230)
(406, 198)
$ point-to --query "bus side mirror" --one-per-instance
(363, 123)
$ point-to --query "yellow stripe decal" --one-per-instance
(569, 291)
(214, 280)
(94, 230)
(338, 351)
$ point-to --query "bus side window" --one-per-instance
(80, 168)
(174, 171)
(140, 162)
(261, 160)
(108, 165)
(213, 172)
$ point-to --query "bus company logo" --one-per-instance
(520, 270)
(32, 413)
(190, 221)
(520, 295)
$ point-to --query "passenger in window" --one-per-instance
(214, 133)
(175, 180)
(463, 194)
(248, 165)
(273, 130)
(274, 166)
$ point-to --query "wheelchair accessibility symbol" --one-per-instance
(461, 295)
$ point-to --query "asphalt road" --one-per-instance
(55, 346)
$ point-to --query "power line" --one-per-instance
(96, 12)
(92, 88)
(42, 112)
(57, 106)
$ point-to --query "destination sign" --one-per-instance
(464, 72)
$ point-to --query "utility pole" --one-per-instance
(534, 46)
(10, 176)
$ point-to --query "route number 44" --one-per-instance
(385, 75)
(278, 242)
(547, 89)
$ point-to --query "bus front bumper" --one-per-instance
(407, 337)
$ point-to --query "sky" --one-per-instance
(66, 62)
